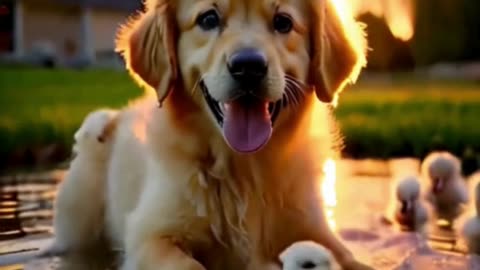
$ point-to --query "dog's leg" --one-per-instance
(160, 254)
(341, 253)
(164, 224)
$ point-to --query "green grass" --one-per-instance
(407, 118)
(41, 107)
(411, 118)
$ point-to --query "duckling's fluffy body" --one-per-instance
(411, 213)
(470, 230)
(307, 255)
(445, 188)
(76, 218)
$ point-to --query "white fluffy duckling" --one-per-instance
(96, 129)
(445, 188)
(78, 211)
(470, 230)
(470, 211)
(307, 255)
(411, 214)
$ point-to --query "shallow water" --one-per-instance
(25, 209)
(26, 216)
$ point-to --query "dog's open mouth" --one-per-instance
(247, 122)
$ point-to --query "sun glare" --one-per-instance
(329, 168)
(329, 191)
(398, 14)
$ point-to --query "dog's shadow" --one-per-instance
(93, 258)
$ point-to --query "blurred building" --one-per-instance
(62, 32)
(80, 32)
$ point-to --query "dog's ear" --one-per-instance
(147, 42)
(338, 49)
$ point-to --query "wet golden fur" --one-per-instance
(177, 196)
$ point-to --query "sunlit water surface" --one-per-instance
(361, 196)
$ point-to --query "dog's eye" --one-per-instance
(208, 20)
(282, 23)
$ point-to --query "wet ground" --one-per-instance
(26, 203)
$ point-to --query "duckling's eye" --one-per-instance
(208, 20)
(308, 265)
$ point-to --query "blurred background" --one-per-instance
(420, 91)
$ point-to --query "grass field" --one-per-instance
(410, 118)
(406, 118)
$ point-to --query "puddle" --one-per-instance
(25, 209)
(26, 225)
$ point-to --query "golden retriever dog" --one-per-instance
(222, 171)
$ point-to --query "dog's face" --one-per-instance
(248, 58)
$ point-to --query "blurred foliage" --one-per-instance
(445, 31)
(40, 107)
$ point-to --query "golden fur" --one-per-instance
(178, 197)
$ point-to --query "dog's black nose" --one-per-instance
(248, 66)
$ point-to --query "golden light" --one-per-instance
(398, 14)
(328, 186)
(355, 34)
(329, 191)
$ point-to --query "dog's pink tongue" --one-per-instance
(247, 125)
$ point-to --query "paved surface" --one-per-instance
(364, 197)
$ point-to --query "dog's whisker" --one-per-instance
(301, 85)
(296, 85)
(297, 93)
(288, 94)
(294, 99)
(195, 86)
(288, 91)
(294, 93)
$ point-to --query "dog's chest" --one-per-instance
(222, 200)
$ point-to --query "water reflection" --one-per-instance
(26, 214)
(11, 225)
(25, 209)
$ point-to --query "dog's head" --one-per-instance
(249, 58)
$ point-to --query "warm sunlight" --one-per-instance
(329, 168)
(398, 14)
(329, 191)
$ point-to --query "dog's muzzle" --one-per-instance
(246, 122)
(246, 119)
